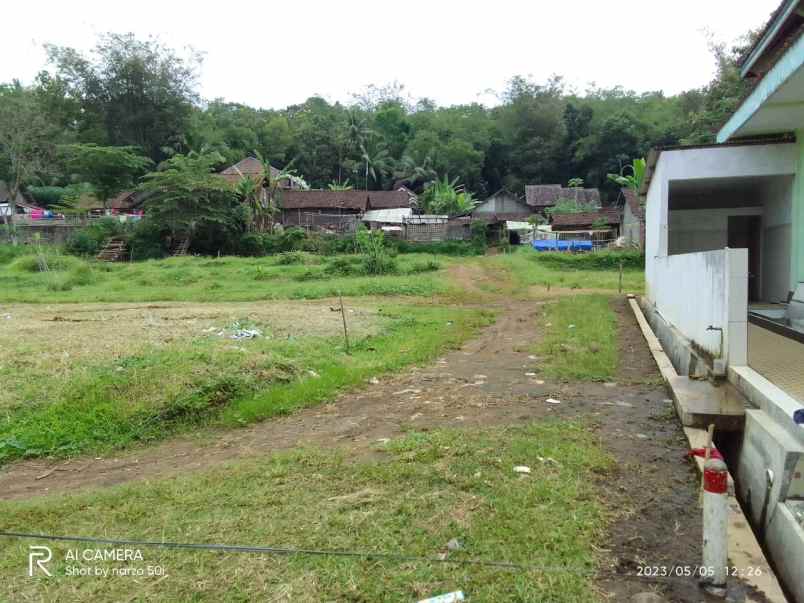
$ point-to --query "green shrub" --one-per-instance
(428, 266)
(451, 248)
(146, 241)
(44, 261)
(89, 240)
(10, 252)
(289, 258)
(251, 244)
(599, 260)
(81, 275)
(343, 266)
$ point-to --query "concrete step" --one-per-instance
(700, 403)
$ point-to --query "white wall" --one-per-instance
(692, 291)
(777, 232)
(693, 230)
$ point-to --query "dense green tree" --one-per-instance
(131, 92)
(186, 197)
(26, 143)
(109, 170)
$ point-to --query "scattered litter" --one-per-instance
(7, 316)
(539, 382)
(530, 374)
(611, 384)
(452, 597)
(415, 416)
(236, 331)
(533, 357)
(553, 401)
(547, 461)
(549, 324)
(245, 334)
(479, 377)
(383, 440)
(407, 391)
(119, 368)
(571, 327)
(524, 469)
(459, 418)
(477, 475)
(374, 381)
(624, 404)
(667, 401)
(313, 374)
(454, 545)
(642, 436)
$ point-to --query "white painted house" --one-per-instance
(724, 248)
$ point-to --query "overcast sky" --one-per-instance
(271, 54)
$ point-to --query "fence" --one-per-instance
(336, 223)
(425, 228)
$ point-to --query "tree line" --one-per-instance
(95, 123)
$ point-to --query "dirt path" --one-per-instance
(491, 380)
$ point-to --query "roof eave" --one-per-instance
(771, 30)
(787, 65)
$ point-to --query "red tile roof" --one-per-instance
(545, 195)
(586, 219)
(355, 200)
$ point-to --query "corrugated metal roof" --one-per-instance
(389, 216)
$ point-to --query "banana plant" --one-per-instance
(634, 179)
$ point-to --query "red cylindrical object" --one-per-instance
(716, 479)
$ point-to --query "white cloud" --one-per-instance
(272, 54)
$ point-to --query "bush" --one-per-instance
(10, 252)
(289, 258)
(146, 241)
(251, 244)
(89, 240)
(344, 266)
(428, 266)
(378, 264)
(599, 260)
(38, 262)
(452, 248)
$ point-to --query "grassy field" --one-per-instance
(527, 268)
(90, 379)
(199, 279)
(579, 339)
(415, 494)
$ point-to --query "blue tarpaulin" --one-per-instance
(556, 245)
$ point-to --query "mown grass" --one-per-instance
(579, 338)
(285, 276)
(209, 382)
(414, 496)
(530, 268)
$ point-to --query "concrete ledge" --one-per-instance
(698, 403)
(765, 395)
(744, 550)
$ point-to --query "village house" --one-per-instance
(540, 197)
(502, 205)
(724, 249)
(632, 227)
(337, 211)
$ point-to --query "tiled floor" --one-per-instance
(778, 359)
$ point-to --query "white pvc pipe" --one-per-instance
(715, 523)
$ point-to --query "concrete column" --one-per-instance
(797, 234)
